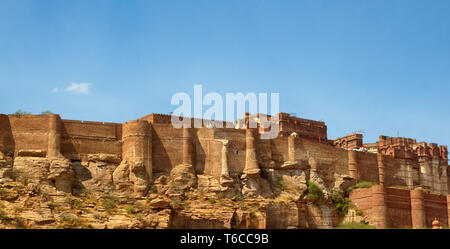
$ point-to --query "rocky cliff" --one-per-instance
(40, 192)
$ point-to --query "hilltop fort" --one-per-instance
(147, 174)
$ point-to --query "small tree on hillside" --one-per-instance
(21, 113)
(46, 112)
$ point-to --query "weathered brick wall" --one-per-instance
(436, 207)
(398, 207)
(279, 149)
(167, 147)
(80, 138)
(367, 167)
(330, 160)
(362, 199)
(305, 128)
(264, 151)
(349, 141)
(208, 153)
(236, 150)
(448, 178)
(6, 137)
(394, 176)
(29, 132)
(398, 204)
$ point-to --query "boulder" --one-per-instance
(62, 172)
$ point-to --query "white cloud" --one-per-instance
(78, 88)
(82, 88)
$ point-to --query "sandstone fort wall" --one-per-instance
(404, 208)
(28, 132)
(80, 138)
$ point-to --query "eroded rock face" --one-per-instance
(32, 153)
(107, 158)
(6, 165)
(281, 215)
(202, 217)
(138, 175)
(45, 171)
(245, 220)
(160, 203)
(343, 181)
(321, 216)
(182, 179)
(100, 191)
(256, 187)
(209, 185)
(31, 169)
(133, 174)
(94, 175)
(121, 177)
(160, 220)
(62, 172)
(289, 180)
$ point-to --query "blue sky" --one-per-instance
(377, 66)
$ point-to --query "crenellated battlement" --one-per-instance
(157, 118)
(136, 128)
(305, 128)
(401, 147)
(349, 141)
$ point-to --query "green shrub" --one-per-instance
(253, 214)
(46, 112)
(186, 203)
(153, 189)
(22, 177)
(109, 204)
(3, 191)
(236, 219)
(359, 213)
(70, 218)
(355, 225)
(19, 189)
(51, 205)
(139, 217)
(45, 194)
(238, 197)
(283, 184)
(265, 173)
(68, 200)
(212, 201)
(315, 192)
(361, 184)
(130, 209)
(340, 202)
(20, 113)
(176, 204)
(276, 191)
(4, 217)
(77, 204)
